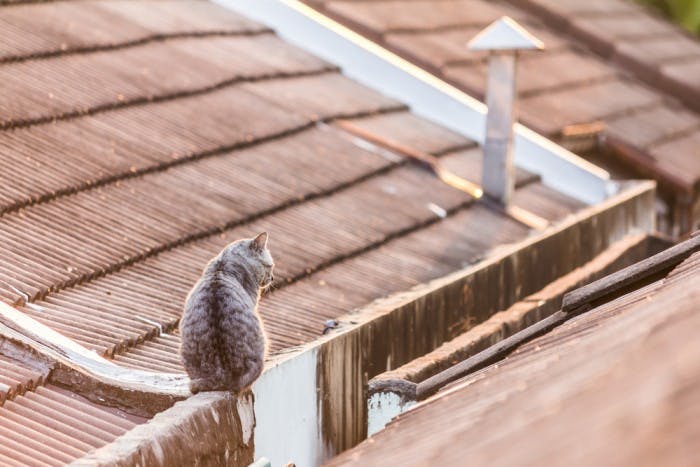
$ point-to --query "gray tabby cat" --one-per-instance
(223, 343)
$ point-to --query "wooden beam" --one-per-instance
(647, 268)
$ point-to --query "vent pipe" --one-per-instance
(503, 39)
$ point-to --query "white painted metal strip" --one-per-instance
(428, 96)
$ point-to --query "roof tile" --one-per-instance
(585, 104)
(649, 126)
(50, 88)
(60, 27)
(391, 15)
(566, 84)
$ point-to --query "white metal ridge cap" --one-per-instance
(428, 96)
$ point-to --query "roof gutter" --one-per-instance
(427, 95)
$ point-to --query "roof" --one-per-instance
(619, 376)
(43, 424)
(139, 138)
(598, 56)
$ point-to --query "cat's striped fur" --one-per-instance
(223, 341)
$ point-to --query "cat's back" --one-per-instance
(220, 325)
(215, 293)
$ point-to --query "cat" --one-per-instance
(223, 341)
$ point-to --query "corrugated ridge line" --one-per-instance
(49, 427)
(113, 22)
(82, 50)
(160, 354)
(138, 172)
(20, 2)
(63, 86)
(130, 260)
(21, 123)
(16, 379)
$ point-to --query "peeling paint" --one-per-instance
(382, 407)
(247, 417)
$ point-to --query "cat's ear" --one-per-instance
(260, 242)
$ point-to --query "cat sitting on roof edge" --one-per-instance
(223, 342)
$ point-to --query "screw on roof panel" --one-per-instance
(503, 38)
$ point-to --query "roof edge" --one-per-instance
(139, 392)
(184, 435)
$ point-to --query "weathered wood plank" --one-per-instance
(640, 271)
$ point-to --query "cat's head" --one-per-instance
(253, 252)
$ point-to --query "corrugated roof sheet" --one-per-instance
(16, 379)
(137, 142)
(52, 426)
(613, 386)
(566, 85)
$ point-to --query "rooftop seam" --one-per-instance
(163, 37)
(69, 115)
(338, 259)
(586, 82)
(115, 267)
(129, 174)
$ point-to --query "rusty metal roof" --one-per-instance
(139, 138)
(569, 90)
(613, 385)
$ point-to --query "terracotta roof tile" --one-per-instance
(673, 155)
(391, 15)
(537, 74)
(16, 378)
(652, 126)
(586, 104)
(59, 27)
(604, 31)
(52, 426)
(55, 87)
(567, 84)
(633, 36)
(574, 8)
(685, 77)
(660, 50)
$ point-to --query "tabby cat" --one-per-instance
(223, 341)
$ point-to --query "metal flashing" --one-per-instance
(427, 95)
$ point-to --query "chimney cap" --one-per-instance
(505, 34)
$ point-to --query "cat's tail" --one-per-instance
(196, 385)
(207, 384)
(245, 381)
